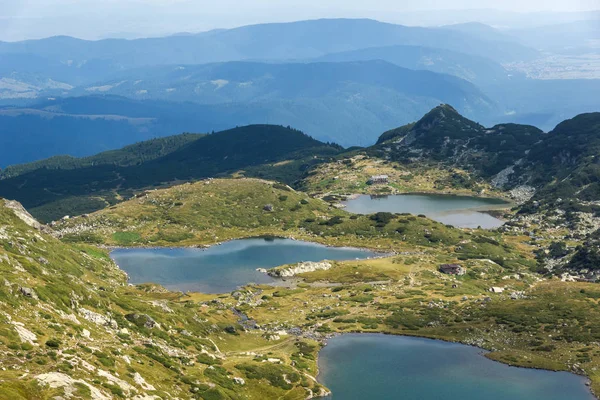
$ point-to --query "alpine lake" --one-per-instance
(225, 267)
(365, 366)
(459, 211)
(385, 367)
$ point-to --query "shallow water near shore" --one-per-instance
(374, 366)
(459, 211)
(223, 268)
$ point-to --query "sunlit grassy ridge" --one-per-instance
(68, 318)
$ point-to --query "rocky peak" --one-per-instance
(444, 118)
(442, 121)
(440, 113)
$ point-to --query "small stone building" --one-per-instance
(378, 180)
(452, 269)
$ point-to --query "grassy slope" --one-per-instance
(550, 325)
(213, 211)
(349, 175)
(171, 356)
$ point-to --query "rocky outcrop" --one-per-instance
(300, 268)
(96, 318)
(25, 335)
(68, 384)
(141, 320)
(22, 213)
(140, 381)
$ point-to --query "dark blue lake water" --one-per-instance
(384, 367)
(223, 268)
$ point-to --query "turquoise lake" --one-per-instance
(223, 268)
(459, 211)
(385, 367)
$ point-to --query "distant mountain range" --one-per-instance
(277, 41)
(339, 80)
(469, 67)
(57, 65)
(346, 103)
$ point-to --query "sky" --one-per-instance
(93, 19)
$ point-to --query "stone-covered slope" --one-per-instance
(71, 327)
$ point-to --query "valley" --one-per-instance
(331, 208)
(230, 344)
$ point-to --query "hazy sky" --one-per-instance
(21, 19)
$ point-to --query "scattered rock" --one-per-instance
(141, 320)
(522, 194)
(239, 381)
(140, 381)
(517, 295)
(28, 292)
(96, 318)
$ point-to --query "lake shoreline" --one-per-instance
(505, 199)
(465, 212)
(225, 266)
(481, 352)
(384, 253)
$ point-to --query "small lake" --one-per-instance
(372, 366)
(460, 211)
(223, 268)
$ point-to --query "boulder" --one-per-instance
(141, 320)
(28, 292)
(239, 381)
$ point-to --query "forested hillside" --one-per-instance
(56, 187)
